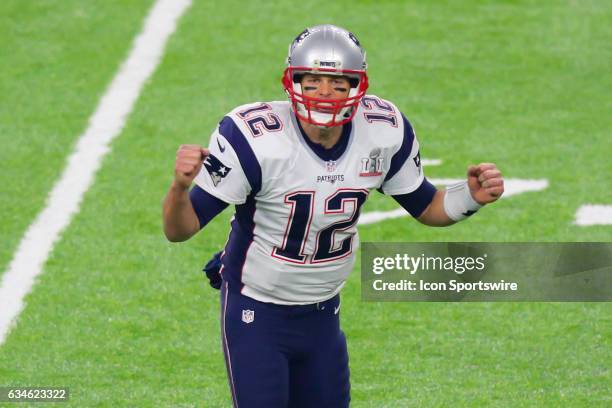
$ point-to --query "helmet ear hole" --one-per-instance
(297, 78)
(354, 82)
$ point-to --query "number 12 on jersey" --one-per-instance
(300, 220)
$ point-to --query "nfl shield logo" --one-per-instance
(248, 316)
(330, 166)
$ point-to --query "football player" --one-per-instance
(298, 173)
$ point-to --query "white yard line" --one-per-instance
(512, 187)
(373, 217)
(104, 125)
(594, 214)
(431, 162)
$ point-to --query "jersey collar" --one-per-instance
(336, 151)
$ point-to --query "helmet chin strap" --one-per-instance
(323, 117)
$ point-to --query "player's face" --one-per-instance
(325, 87)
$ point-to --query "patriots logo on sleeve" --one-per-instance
(217, 170)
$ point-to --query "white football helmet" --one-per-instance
(330, 50)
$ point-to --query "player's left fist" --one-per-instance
(486, 183)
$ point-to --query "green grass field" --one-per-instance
(124, 318)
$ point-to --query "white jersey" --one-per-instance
(294, 234)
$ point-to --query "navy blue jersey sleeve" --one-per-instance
(206, 205)
(417, 201)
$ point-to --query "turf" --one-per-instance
(58, 57)
(124, 318)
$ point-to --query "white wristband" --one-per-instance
(458, 202)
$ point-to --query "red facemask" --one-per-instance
(321, 111)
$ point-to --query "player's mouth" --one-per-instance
(324, 108)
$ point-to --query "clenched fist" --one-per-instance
(189, 160)
(485, 182)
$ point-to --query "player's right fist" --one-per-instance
(189, 159)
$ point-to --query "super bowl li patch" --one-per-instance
(217, 170)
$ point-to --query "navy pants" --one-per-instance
(284, 356)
